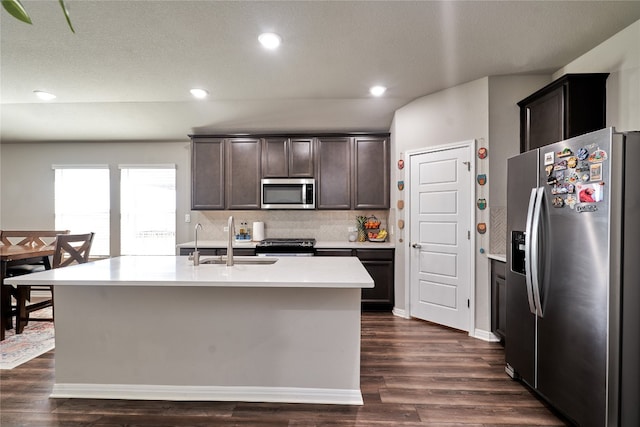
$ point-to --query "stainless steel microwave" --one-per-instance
(288, 193)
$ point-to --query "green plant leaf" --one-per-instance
(15, 9)
(66, 15)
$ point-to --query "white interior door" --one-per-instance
(440, 236)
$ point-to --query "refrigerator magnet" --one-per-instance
(557, 202)
(572, 162)
(482, 153)
(400, 224)
(400, 204)
(400, 185)
(571, 201)
(595, 172)
(582, 153)
(598, 156)
(549, 158)
(566, 152)
(549, 169)
(400, 164)
(481, 227)
(561, 165)
(481, 179)
(482, 204)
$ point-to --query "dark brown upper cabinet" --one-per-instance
(243, 173)
(370, 173)
(333, 166)
(570, 106)
(287, 157)
(207, 173)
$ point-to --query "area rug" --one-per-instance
(36, 339)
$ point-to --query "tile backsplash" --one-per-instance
(321, 225)
(498, 227)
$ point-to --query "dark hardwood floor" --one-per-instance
(413, 373)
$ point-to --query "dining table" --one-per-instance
(12, 256)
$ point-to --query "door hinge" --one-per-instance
(468, 303)
(468, 166)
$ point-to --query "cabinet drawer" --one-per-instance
(334, 252)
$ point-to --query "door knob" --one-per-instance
(416, 245)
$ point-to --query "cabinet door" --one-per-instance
(334, 173)
(379, 264)
(301, 157)
(544, 120)
(275, 158)
(243, 173)
(207, 173)
(371, 173)
(498, 299)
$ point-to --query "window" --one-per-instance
(148, 210)
(82, 202)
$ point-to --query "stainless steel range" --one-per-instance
(286, 247)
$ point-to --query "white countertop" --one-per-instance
(287, 272)
(498, 257)
(321, 244)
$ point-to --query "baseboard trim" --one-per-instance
(400, 313)
(208, 393)
(483, 335)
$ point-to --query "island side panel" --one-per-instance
(208, 336)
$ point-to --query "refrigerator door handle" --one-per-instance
(528, 251)
(535, 261)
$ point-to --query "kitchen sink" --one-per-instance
(249, 260)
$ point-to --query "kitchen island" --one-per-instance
(157, 327)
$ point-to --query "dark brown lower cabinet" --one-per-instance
(380, 264)
(498, 299)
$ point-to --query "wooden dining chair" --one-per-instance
(29, 238)
(69, 249)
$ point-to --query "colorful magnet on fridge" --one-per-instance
(400, 185)
(548, 158)
(400, 224)
(572, 162)
(482, 178)
(571, 201)
(482, 153)
(400, 204)
(597, 156)
(481, 227)
(482, 204)
(582, 153)
(557, 202)
(561, 165)
(400, 164)
(548, 169)
(564, 153)
(552, 180)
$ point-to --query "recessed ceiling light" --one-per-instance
(45, 96)
(199, 93)
(270, 40)
(377, 90)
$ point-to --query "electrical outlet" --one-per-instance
(187, 217)
(351, 229)
(225, 229)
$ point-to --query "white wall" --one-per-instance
(620, 56)
(28, 180)
(453, 115)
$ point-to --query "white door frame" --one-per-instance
(407, 244)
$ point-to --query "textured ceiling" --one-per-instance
(125, 74)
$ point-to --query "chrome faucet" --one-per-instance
(196, 254)
(231, 229)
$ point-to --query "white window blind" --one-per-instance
(82, 203)
(148, 210)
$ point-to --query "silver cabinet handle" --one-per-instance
(416, 245)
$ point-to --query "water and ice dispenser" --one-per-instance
(517, 252)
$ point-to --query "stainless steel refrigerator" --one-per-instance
(573, 276)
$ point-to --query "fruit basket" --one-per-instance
(377, 236)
